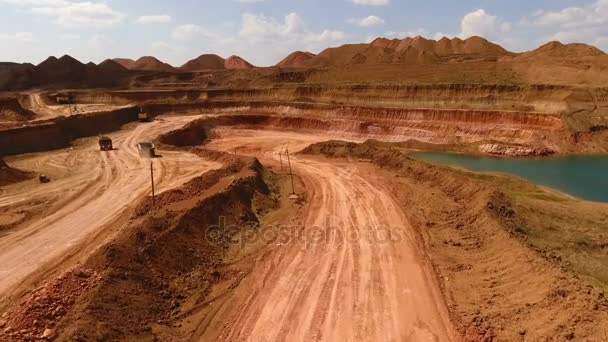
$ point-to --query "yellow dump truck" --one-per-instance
(146, 150)
(143, 116)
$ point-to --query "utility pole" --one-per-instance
(152, 180)
(293, 189)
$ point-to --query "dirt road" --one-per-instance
(90, 190)
(356, 275)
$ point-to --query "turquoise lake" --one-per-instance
(585, 177)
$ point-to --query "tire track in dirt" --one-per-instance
(346, 281)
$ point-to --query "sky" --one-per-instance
(265, 31)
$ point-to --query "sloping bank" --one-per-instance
(163, 261)
(10, 175)
(504, 250)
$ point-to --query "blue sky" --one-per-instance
(264, 31)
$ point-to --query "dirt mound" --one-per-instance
(237, 63)
(204, 62)
(15, 75)
(165, 261)
(150, 63)
(558, 50)
(9, 175)
(11, 110)
(565, 64)
(298, 59)
(366, 54)
(125, 62)
(111, 66)
(444, 47)
(62, 72)
(62, 69)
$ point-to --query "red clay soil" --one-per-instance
(167, 255)
(444, 46)
(10, 175)
(112, 66)
(151, 64)
(237, 63)
(498, 287)
(125, 62)
(204, 62)
(298, 59)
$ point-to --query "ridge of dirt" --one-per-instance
(444, 46)
(499, 285)
(163, 259)
(237, 63)
(9, 175)
(125, 62)
(204, 62)
(298, 59)
(151, 63)
(12, 111)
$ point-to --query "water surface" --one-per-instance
(585, 177)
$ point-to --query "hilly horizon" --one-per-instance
(379, 51)
(382, 59)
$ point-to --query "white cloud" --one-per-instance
(260, 28)
(19, 37)
(69, 36)
(371, 2)
(371, 20)
(481, 23)
(154, 19)
(191, 31)
(72, 14)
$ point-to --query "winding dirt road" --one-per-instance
(359, 274)
(89, 191)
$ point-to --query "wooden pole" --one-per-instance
(281, 160)
(152, 180)
(293, 189)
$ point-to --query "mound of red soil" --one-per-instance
(204, 62)
(168, 257)
(237, 63)
(125, 62)
(298, 59)
(151, 63)
(59, 72)
(111, 66)
(444, 46)
(566, 51)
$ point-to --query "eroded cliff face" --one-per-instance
(495, 119)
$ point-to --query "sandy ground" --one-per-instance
(46, 112)
(90, 189)
(359, 273)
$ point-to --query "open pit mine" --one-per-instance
(220, 201)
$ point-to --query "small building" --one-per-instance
(105, 143)
(146, 150)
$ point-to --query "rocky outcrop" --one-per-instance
(514, 150)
